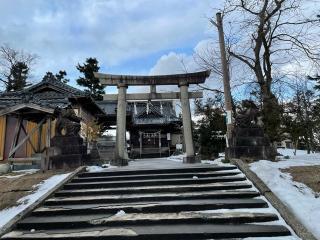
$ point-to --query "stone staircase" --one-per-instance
(202, 202)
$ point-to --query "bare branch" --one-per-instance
(242, 58)
(244, 6)
(209, 89)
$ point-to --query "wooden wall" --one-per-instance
(7, 126)
(9, 136)
(35, 137)
(2, 136)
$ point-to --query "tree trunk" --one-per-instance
(308, 145)
(270, 111)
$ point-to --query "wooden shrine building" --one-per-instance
(27, 122)
(153, 126)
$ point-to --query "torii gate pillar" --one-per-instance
(186, 121)
(120, 158)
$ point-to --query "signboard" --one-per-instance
(179, 146)
(168, 136)
(229, 117)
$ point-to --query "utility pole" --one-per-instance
(226, 76)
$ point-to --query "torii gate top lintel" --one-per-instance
(136, 80)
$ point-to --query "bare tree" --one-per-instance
(208, 58)
(267, 35)
(14, 67)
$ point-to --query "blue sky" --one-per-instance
(126, 36)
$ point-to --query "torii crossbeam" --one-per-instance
(123, 81)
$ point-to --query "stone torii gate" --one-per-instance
(123, 81)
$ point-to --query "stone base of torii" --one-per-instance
(123, 81)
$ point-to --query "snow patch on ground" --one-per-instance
(13, 176)
(27, 171)
(120, 213)
(290, 152)
(177, 158)
(99, 168)
(95, 169)
(300, 199)
(40, 189)
(217, 161)
(23, 173)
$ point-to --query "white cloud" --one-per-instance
(175, 63)
(65, 32)
(172, 63)
(302, 68)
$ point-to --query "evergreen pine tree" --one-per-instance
(211, 128)
(91, 83)
(61, 76)
(48, 76)
(18, 77)
(57, 77)
(300, 121)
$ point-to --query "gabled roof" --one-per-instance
(49, 94)
(156, 112)
(29, 111)
(152, 112)
(159, 112)
(22, 106)
(55, 86)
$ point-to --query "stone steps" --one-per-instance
(72, 221)
(201, 202)
(153, 182)
(119, 172)
(154, 176)
(151, 232)
(150, 197)
(154, 189)
(151, 207)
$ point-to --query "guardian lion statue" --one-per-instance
(68, 123)
(249, 115)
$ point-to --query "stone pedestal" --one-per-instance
(250, 143)
(69, 152)
(190, 159)
(94, 156)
